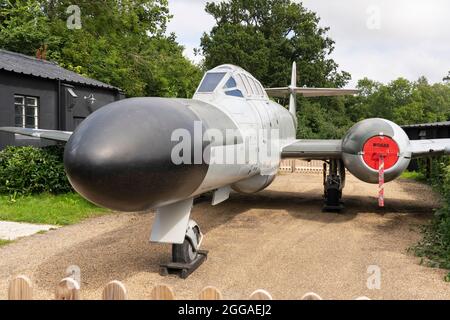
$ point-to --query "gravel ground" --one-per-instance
(278, 240)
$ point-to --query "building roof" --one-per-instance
(429, 125)
(22, 64)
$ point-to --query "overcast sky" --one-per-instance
(380, 39)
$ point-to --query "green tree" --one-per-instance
(401, 101)
(122, 43)
(447, 78)
(23, 26)
(266, 36)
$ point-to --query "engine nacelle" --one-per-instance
(370, 139)
(254, 184)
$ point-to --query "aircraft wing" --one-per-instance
(309, 92)
(424, 148)
(61, 136)
(332, 149)
(314, 150)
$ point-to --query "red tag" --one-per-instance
(381, 147)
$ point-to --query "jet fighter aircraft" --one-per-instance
(155, 153)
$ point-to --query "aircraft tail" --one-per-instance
(292, 91)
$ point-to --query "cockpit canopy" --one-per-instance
(231, 81)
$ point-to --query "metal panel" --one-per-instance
(171, 222)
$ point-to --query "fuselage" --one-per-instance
(262, 123)
(144, 153)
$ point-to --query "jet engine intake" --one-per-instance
(375, 142)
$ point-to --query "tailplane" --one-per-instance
(292, 91)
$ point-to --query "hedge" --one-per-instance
(435, 247)
(31, 170)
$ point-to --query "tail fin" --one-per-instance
(292, 93)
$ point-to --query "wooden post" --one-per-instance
(162, 292)
(260, 295)
(210, 293)
(67, 289)
(311, 296)
(20, 288)
(115, 290)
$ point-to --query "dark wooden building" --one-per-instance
(437, 130)
(40, 94)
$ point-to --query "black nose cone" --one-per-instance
(121, 156)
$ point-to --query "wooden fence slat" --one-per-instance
(301, 166)
(20, 288)
(115, 290)
(162, 292)
(210, 293)
(261, 295)
(67, 289)
(311, 296)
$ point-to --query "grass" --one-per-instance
(434, 249)
(60, 210)
(4, 242)
(413, 175)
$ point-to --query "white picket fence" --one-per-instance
(301, 166)
(21, 288)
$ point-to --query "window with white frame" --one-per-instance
(250, 90)
(261, 88)
(231, 89)
(27, 111)
(241, 78)
(254, 86)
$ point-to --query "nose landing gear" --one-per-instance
(186, 257)
(334, 183)
(188, 251)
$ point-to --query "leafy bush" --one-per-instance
(435, 247)
(30, 170)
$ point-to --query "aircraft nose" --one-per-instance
(120, 156)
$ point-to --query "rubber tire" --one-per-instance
(333, 197)
(183, 253)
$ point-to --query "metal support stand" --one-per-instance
(183, 270)
(334, 183)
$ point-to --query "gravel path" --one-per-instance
(278, 240)
(14, 230)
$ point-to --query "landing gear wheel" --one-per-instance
(334, 182)
(186, 253)
(186, 257)
(183, 253)
(333, 197)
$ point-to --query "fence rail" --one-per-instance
(301, 166)
(21, 288)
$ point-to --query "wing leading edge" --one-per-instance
(309, 92)
(424, 148)
(332, 149)
(61, 136)
(314, 150)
